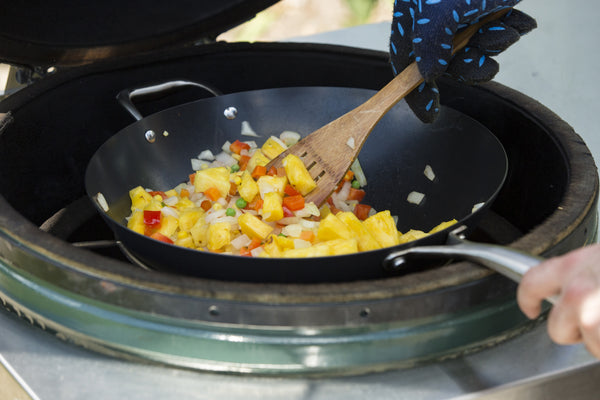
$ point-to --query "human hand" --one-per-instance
(575, 316)
(423, 31)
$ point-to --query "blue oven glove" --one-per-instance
(423, 30)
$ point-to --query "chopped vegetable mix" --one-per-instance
(234, 205)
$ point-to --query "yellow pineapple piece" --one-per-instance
(271, 249)
(184, 203)
(318, 250)
(443, 226)
(188, 219)
(139, 198)
(258, 158)
(184, 239)
(342, 246)
(383, 228)
(199, 232)
(283, 242)
(268, 183)
(248, 188)
(411, 235)
(272, 209)
(253, 227)
(168, 225)
(219, 235)
(272, 148)
(213, 177)
(171, 193)
(136, 222)
(331, 227)
(366, 241)
(298, 175)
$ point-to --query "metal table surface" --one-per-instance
(554, 65)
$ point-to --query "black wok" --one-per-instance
(469, 163)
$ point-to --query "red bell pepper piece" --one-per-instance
(237, 147)
(152, 218)
(160, 237)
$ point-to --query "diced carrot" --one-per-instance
(245, 252)
(362, 211)
(206, 205)
(256, 204)
(192, 178)
(290, 191)
(254, 244)
(243, 162)
(160, 237)
(294, 203)
(184, 193)
(212, 193)
(281, 171)
(272, 171)
(259, 170)
(237, 147)
(309, 236)
(356, 194)
(232, 188)
(349, 176)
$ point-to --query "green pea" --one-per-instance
(230, 212)
(235, 168)
(241, 203)
(355, 184)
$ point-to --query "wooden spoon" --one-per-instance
(329, 151)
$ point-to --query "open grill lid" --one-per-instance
(71, 32)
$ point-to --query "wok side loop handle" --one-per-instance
(509, 262)
(126, 96)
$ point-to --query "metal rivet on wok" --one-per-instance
(150, 136)
(230, 112)
(214, 311)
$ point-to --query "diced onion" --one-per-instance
(415, 197)
(292, 230)
(309, 209)
(359, 175)
(344, 191)
(225, 147)
(102, 202)
(171, 201)
(289, 137)
(197, 165)
(226, 159)
(477, 207)
(206, 155)
(429, 172)
(210, 217)
(289, 220)
(252, 144)
(301, 244)
(350, 143)
(247, 129)
(241, 241)
(168, 211)
(307, 224)
(257, 251)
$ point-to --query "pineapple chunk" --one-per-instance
(188, 219)
(271, 249)
(253, 227)
(168, 225)
(248, 188)
(268, 183)
(443, 226)
(171, 193)
(283, 242)
(199, 232)
(212, 177)
(272, 148)
(366, 241)
(272, 209)
(184, 203)
(139, 198)
(411, 235)
(298, 175)
(136, 222)
(331, 227)
(382, 227)
(219, 235)
(318, 250)
(258, 158)
(184, 239)
(342, 246)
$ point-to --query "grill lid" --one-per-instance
(71, 32)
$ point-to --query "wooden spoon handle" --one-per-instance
(410, 77)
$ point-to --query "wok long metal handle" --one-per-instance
(504, 260)
(126, 96)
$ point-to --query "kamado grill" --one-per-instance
(57, 273)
